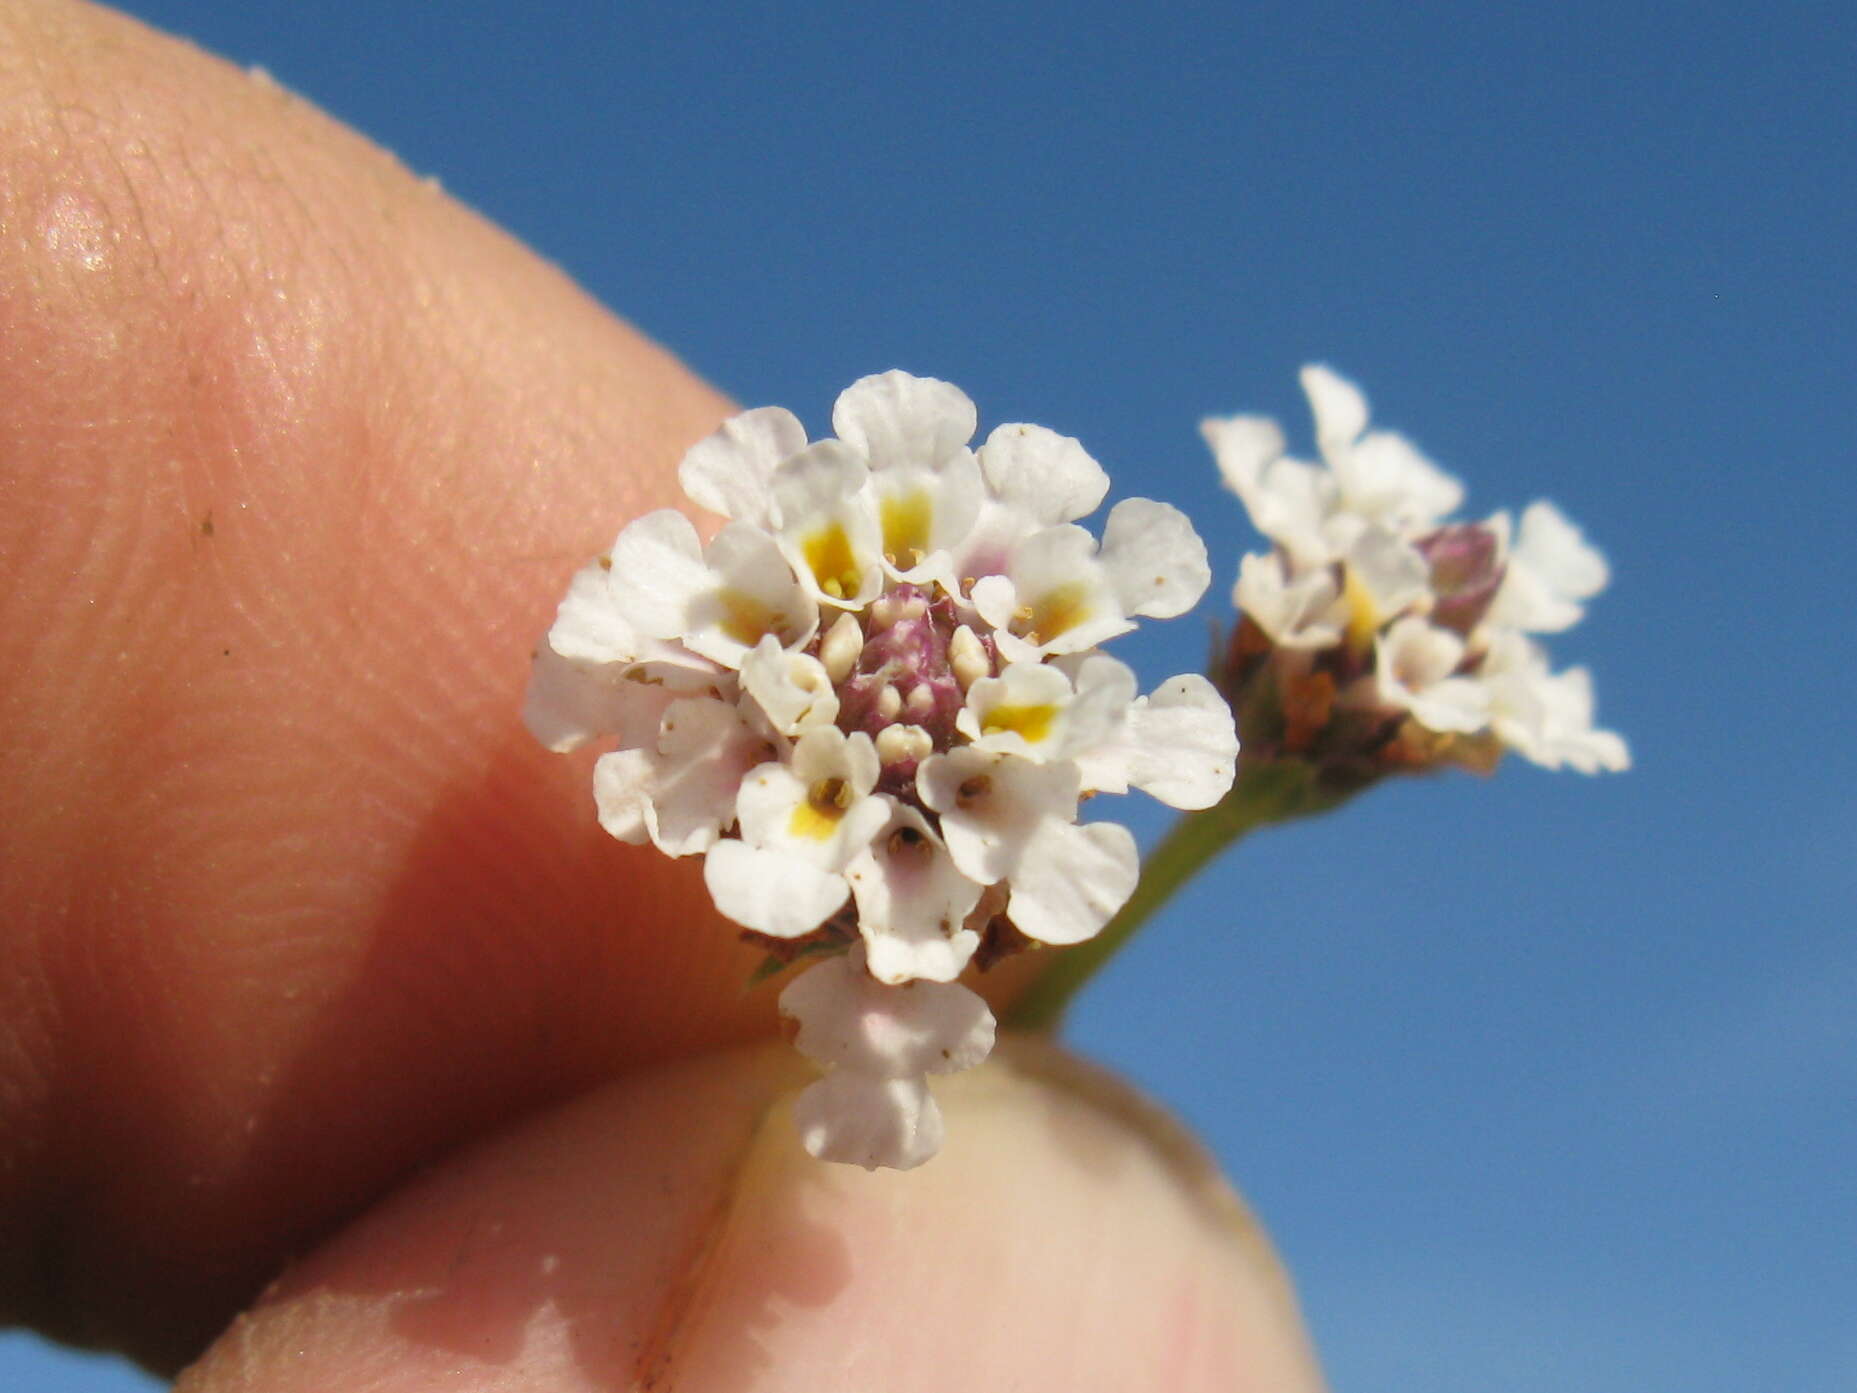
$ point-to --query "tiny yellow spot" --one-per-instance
(1363, 618)
(829, 556)
(1055, 612)
(1032, 722)
(818, 817)
(744, 618)
(906, 519)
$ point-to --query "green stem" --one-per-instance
(1262, 794)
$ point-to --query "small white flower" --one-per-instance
(1416, 668)
(1012, 819)
(1178, 745)
(1550, 569)
(871, 701)
(1545, 716)
(802, 823)
(681, 791)
(879, 1043)
(1370, 589)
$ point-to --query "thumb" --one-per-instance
(669, 1233)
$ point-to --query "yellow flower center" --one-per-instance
(1031, 722)
(906, 518)
(818, 817)
(828, 553)
(744, 618)
(1055, 612)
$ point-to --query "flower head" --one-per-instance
(1379, 634)
(874, 702)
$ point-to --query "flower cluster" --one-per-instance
(1378, 635)
(873, 701)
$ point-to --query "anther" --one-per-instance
(840, 648)
(890, 703)
(921, 700)
(899, 744)
(968, 657)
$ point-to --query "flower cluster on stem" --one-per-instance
(873, 701)
(1379, 635)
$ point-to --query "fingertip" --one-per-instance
(1065, 1239)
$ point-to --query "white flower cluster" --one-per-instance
(1438, 613)
(873, 701)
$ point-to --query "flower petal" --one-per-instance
(1046, 477)
(728, 472)
(622, 785)
(769, 892)
(1243, 447)
(1339, 408)
(913, 903)
(658, 572)
(1154, 558)
(992, 805)
(869, 1122)
(897, 420)
(1071, 879)
(1183, 743)
(851, 1022)
(792, 690)
(570, 703)
(704, 751)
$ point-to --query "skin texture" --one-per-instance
(296, 455)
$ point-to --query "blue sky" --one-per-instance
(1541, 1083)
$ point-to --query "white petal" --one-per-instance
(1243, 446)
(1154, 558)
(1550, 569)
(751, 592)
(896, 420)
(1418, 653)
(1549, 544)
(1457, 705)
(1413, 669)
(769, 892)
(1184, 745)
(1020, 712)
(912, 903)
(1339, 408)
(589, 625)
(992, 805)
(791, 689)
(1546, 717)
(1066, 602)
(1385, 476)
(729, 472)
(995, 599)
(925, 518)
(622, 784)
(1302, 613)
(571, 703)
(1071, 879)
(704, 750)
(775, 800)
(869, 1122)
(850, 1021)
(1096, 723)
(1295, 506)
(1389, 570)
(828, 525)
(658, 572)
(1046, 477)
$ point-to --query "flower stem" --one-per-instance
(1263, 793)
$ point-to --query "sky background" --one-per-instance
(1540, 1082)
